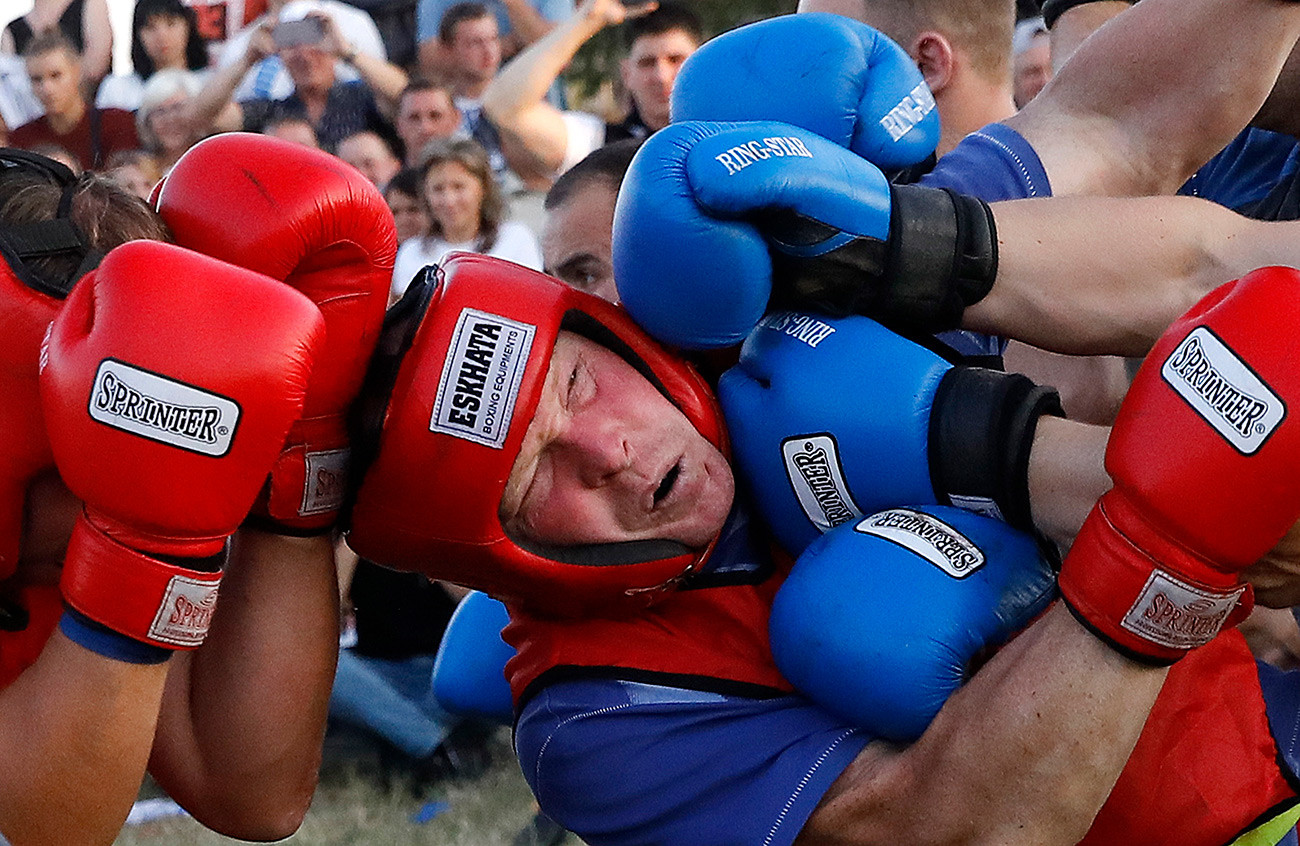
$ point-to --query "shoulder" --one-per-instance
(993, 163)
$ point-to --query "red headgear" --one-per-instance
(452, 390)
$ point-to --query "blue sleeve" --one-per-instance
(623, 763)
(428, 14)
(993, 163)
(1245, 170)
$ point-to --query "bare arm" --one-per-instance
(1025, 753)
(213, 102)
(97, 54)
(243, 719)
(1157, 91)
(1106, 276)
(384, 78)
(515, 100)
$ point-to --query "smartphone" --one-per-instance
(310, 30)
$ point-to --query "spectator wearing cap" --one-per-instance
(70, 120)
(1031, 60)
(310, 46)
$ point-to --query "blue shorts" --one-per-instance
(628, 763)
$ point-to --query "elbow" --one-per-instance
(272, 813)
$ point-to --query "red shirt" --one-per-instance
(116, 132)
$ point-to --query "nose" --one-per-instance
(597, 454)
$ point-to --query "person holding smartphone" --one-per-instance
(311, 44)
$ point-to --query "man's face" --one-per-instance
(650, 69)
(368, 154)
(607, 459)
(56, 81)
(576, 240)
(476, 48)
(310, 67)
(423, 116)
(1031, 69)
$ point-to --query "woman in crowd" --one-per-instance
(466, 212)
(163, 121)
(164, 36)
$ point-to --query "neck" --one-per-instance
(460, 233)
(63, 122)
(970, 102)
(472, 88)
(314, 100)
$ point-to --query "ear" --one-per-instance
(933, 53)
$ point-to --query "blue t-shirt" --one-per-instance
(1253, 164)
(994, 163)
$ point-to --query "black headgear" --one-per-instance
(22, 242)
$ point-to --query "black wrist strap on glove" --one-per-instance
(981, 431)
(942, 257)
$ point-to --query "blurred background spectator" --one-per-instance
(165, 128)
(371, 154)
(221, 20)
(519, 23)
(85, 23)
(467, 211)
(541, 141)
(70, 120)
(426, 110)
(405, 197)
(1031, 59)
(164, 36)
(471, 45)
(135, 170)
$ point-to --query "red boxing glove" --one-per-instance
(169, 381)
(24, 316)
(1204, 457)
(309, 219)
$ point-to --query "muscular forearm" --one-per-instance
(75, 732)
(1066, 476)
(1106, 276)
(1025, 753)
(1148, 99)
(385, 79)
(244, 717)
(214, 98)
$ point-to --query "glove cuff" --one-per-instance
(981, 433)
(1153, 609)
(155, 602)
(942, 257)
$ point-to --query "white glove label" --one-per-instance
(1175, 614)
(927, 536)
(480, 378)
(327, 476)
(161, 409)
(185, 612)
(812, 463)
(1223, 390)
(910, 111)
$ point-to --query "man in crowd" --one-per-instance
(425, 111)
(70, 120)
(369, 153)
(543, 141)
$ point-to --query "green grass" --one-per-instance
(350, 809)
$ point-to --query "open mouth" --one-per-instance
(666, 486)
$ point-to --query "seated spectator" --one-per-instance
(135, 170)
(164, 36)
(84, 22)
(295, 129)
(163, 123)
(405, 197)
(268, 79)
(90, 133)
(466, 212)
(469, 35)
(371, 154)
(60, 154)
(425, 111)
(310, 47)
(1031, 60)
(519, 22)
(542, 141)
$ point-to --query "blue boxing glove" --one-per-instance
(883, 619)
(829, 74)
(834, 418)
(469, 674)
(702, 203)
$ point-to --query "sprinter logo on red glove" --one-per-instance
(162, 409)
(1179, 615)
(1224, 390)
(185, 611)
